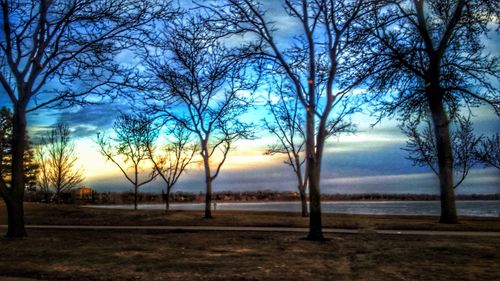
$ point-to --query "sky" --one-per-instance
(368, 161)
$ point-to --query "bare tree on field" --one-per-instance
(421, 147)
(428, 60)
(58, 162)
(205, 89)
(287, 125)
(172, 159)
(129, 148)
(61, 53)
(313, 63)
(43, 179)
(488, 151)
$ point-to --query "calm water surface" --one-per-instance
(465, 208)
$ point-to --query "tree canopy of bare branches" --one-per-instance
(59, 53)
(313, 62)
(428, 60)
(172, 159)
(421, 147)
(129, 149)
(204, 89)
(488, 152)
(287, 125)
(57, 160)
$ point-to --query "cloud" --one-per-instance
(88, 120)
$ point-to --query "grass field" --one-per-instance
(192, 255)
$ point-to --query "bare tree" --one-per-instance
(287, 125)
(43, 179)
(422, 147)
(488, 151)
(59, 53)
(204, 90)
(427, 59)
(58, 162)
(174, 157)
(312, 61)
(128, 149)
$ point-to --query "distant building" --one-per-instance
(82, 194)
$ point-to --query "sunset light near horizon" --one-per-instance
(368, 161)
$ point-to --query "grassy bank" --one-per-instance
(75, 215)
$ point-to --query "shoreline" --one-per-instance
(471, 208)
(257, 202)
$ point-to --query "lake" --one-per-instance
(477, 208)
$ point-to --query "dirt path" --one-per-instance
(267, 229)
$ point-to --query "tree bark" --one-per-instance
(208, 200)
(167, 200)
(315, 224)
(15, 214)
(15, 196)
(135, 197)
(445, 156)
(303, 200)
(136, 187)
(312, 167)
(208, 182)
(301, 185)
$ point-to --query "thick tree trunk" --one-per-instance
(315, 224)
(208, 200)
(303, 200)
(445, 157)
(15, 214)
(14, 198)
(208, 182)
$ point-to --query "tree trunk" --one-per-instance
(208, 200)
(315, 224)
(445, 156)
(15, 214)
(15, 196)
(208, 180)
(312, 168)
(135, 197)
(301, 185)
(303, 200)
(167, 201)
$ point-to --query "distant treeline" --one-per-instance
(231, 196)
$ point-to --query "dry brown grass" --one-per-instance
(197, 255)
(167, 255)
